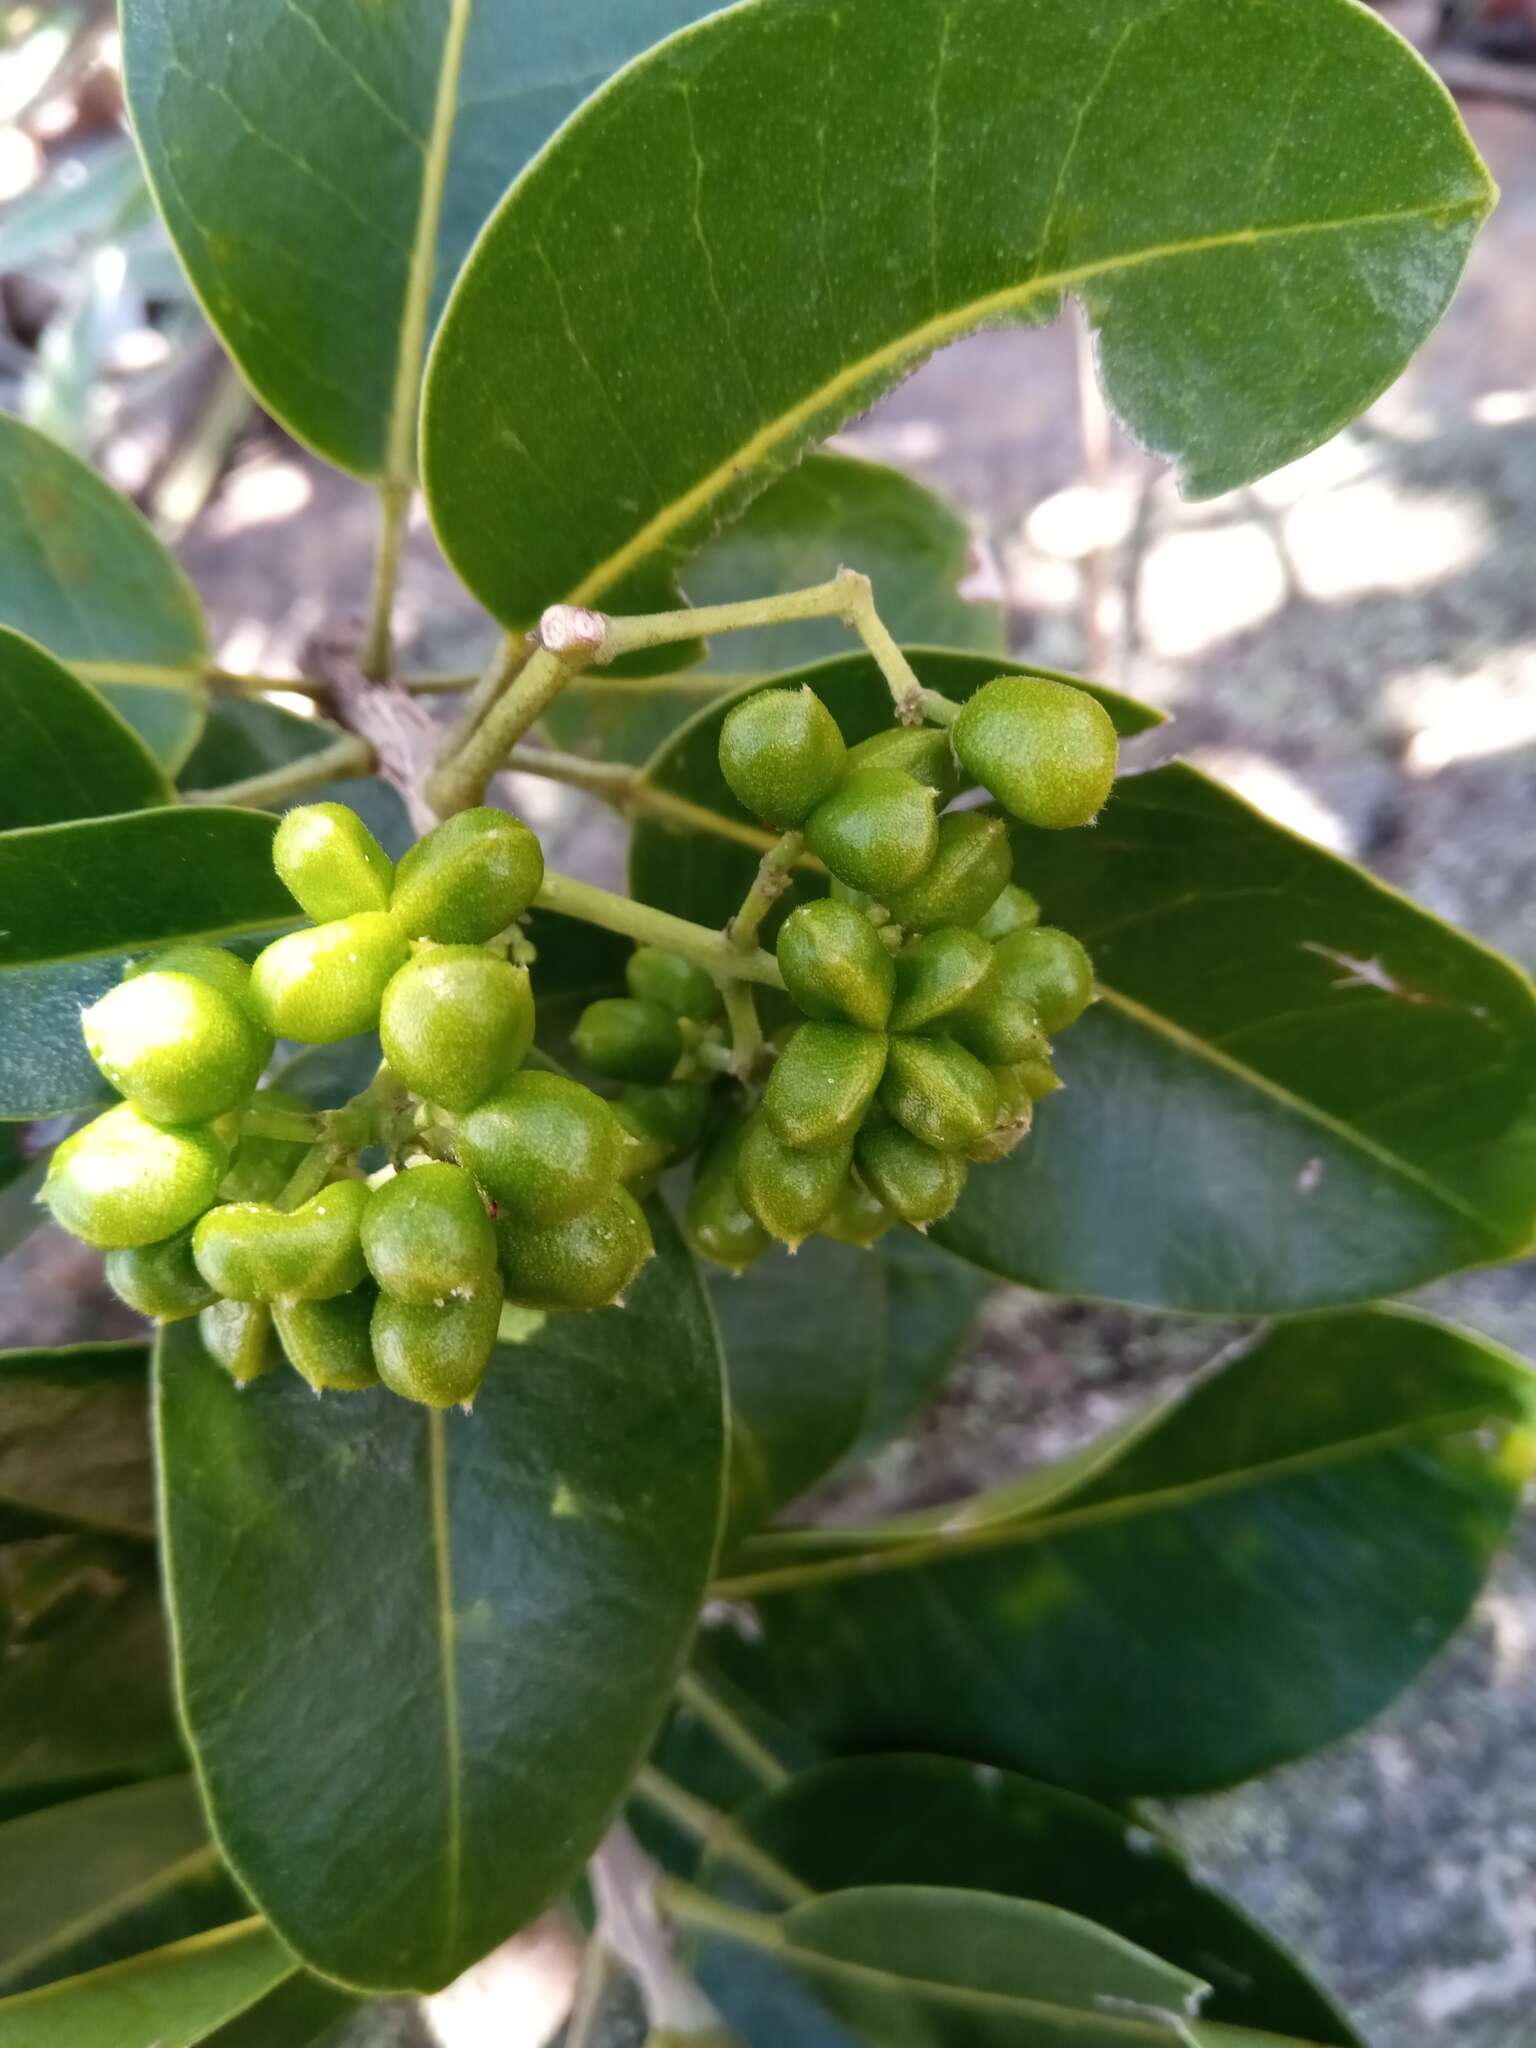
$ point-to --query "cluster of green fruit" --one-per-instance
(496, 1183)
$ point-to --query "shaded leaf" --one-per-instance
(171, 1997)
(931, 1301)
(74, 1437)
(1257, 1573)
(493, 1570)
(68, 753)
(23, 1162)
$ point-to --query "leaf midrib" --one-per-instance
(931, 335)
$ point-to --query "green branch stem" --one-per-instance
(294, 1126)
(347, 754)
(631, 792)
(717, 1831)
(378, 650)
(728, 1729)
(768, 885)
(712, 951)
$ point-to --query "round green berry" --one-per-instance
(822, 1083)
(1012, 910)
(226, 972)
(786, 1190)
(585, 1261)
(180, 1049)
(545, 1147)
(239, 1336)
(1048, 970)
(876, 831)
(1038, 1078)
(921, 751)
(455, 1022)
(939, 1092)
(781, 753)
(857, 1217)
(330, 863)
(437, 1352)
(673, 1112)
(159, 1280)
(679, 985)
(716, 1222)
(123, 1181)
(330, 1343)
(912, 1179)
(644, 1154)
(425, 1234)
(971, 864)
(467, 880)
(327, 983)
(263, 1167)
(834, 965)
(249, 1251)
(1045, 750)
(1016, 1110)
(628, 1039)
(936, 974)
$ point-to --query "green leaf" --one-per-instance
(74, 1437)
(924, 1820)
(931, 1301)
(702, 876)
(83, 198)
(68, 753)
(23, 1163)
(1350, 1085)
(172, 1997)
(399, 1632)
(831, 194)
(832, 509)
(389, 133)
(83, 573)
(1257, 1573)
(95, 1880)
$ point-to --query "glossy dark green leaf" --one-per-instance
(832, 509)
(702, 876)
(931, 1301)
(323, 175)
(1349, 1085)
(68, 754)
(1259, 1572)
(924, 1820)
(333, 1561)
(74, 1437)
(172, 1997)
(832, 193)
(89, 1882)
(82, 573)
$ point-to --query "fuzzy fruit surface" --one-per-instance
(834, 965)
(326, 984)
(822, 1083)
(1014, 910)
(455, 1022)
(857, 1217)
(629, 1039)
(584, 1262)
(425, 1234)
(436, 1353)
(674, 1113)
(263, 1167)
(249, 1251)
(716, 1222)
(330, 1343)
(330, 863)
(1047, 971)
(939, 1092)
(179, 1048)
(786, 1190)
(159, 1280)
(470, 878)
(1046, 751)
(679, 985)
(937, 974)
(239, 1336)
(781, 753)
(921, 751)
(969, 870)
(911, 1179)
(123, 1181)
(876, 831)
(544, 1146)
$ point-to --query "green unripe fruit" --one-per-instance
(455, 1022)
(970, 866)
(263, 1167)
(716, 1222)
(857, 1217)
(673, 1113)
(1014, 910)
(180, 1050)
(781, 753)
(226, 972)
(644, 1154)
(544, 1146)
(425, 1234)
(996, 1027)
(822, 1083)
(238, 1335)
(834, 965)
(1045, 750)
(921, 751)
(249, 1251)
(877, 831)
(327, 983)
(1048, 971)
(330, 863)
(679, 985)
(1016, 1110)
(330, 1343)
(437, 1352)
(123, 1181)
(628, 1039)
(786, 1190)
(1038, 1078)
(159, 1280)
(936, 974)
(936, 1090)
(586, 1261)
(911, 1179)
(467, 880)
